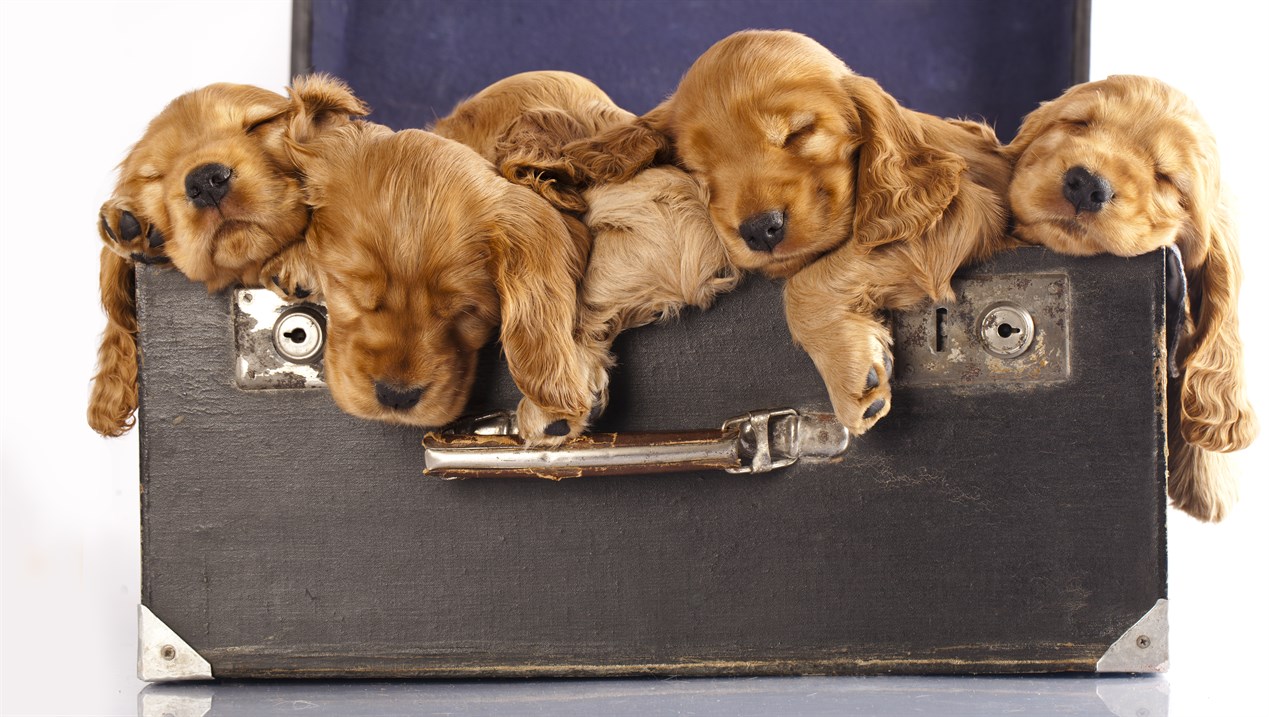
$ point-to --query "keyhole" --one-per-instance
(1005, 330)
(297, 335)
(940, 328)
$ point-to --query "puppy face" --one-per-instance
(422, 250)
(404, 265)
(764, 120)
(209, 186)
(799, 154)
(1117, 166)
(210, 176)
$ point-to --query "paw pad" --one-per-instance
(874, 408)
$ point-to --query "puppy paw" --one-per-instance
(291, 275)
(859, 380)
(130, 235)
(541, 427)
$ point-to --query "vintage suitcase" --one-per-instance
(1007, 516)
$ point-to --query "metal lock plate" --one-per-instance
(1006, 330)
(279, 345)
(1001, 329)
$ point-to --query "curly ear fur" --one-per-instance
(530, 153)
(1215, 412)
(321, 102)
(617, 154)
(1200, 482)
(113, 400)
(904, 183)
(537, 277)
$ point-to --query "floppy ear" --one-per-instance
(619, 153)
(904, 183)
(113, 400)
(319, 103)
(1036, 123)
(537, 267)
(531, 153)
(1215, 413)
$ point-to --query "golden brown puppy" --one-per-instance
(210, 188)
(423, 250)
(653, 249)
(816, 174)
(1126, 166)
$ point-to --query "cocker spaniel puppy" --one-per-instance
(653, 249)
(1126, 166)
(209, 188)
(423, 251)
(816, 174)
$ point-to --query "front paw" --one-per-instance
(129, 234)
(541, 427)
(860, 386)
(290, 275)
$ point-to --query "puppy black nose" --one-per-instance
(208, 184)
(762, 232)
(397, 398)
(1087, 192)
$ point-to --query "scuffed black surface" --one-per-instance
(985, 529)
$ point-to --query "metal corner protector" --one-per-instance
(162, 656)
(1143, 647)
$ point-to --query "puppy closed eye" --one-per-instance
(1076, 125)
(797, 136)
(256, 123)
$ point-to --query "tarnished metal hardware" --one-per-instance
(756, 442)
(1006, 330)
(951, 344)
(299, 334)
(162, 656)
(279, 344)
(1144, 647)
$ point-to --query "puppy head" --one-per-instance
(799, 154)
(1125, 166)
(1120, 166)
(404, 258)
(209, 187)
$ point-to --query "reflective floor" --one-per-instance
(739, 697)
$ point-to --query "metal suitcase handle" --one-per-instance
(757, 442)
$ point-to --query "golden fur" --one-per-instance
(1159, 158)
(253, 236)
(653, 248)
(882, 204)
(422, 251)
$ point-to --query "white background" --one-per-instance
(80, 81)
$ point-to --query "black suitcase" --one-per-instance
(1007, 516)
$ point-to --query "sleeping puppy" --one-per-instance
(422, 251)
(653, 249)
(210, 189)
(816, 174)
(1126, 166)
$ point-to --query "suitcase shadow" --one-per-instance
(884, 696)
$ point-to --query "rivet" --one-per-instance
(168, 652)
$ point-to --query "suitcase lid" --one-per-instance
(412, 61)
